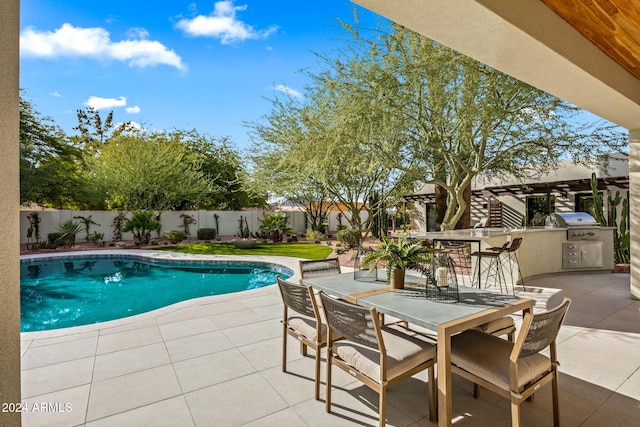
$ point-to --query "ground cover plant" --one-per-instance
(296, 250)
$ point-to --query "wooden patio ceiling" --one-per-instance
(612, 25)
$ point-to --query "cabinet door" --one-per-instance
(591, 254)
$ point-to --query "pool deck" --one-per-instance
(216, 361)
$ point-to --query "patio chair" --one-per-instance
(502, 326)
(378, 356)
(513, 370)
(319, 267)
(303, 325)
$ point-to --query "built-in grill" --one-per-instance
(579, 225)
(583, 248)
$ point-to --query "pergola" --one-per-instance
(562, 187)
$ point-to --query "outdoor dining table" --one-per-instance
(474, 308)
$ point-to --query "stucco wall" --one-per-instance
(228, 222)
(634, 201)
(9, 200)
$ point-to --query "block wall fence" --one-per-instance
(170, 220)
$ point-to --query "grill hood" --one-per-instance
(573, 220)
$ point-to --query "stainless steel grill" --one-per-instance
(580, 227)
(574, 220)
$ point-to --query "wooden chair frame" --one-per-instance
(515, 394)
(379, 386)
(305, 341)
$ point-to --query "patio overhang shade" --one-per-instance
(561, 187)
(430, 197)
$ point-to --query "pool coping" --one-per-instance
(290, 263)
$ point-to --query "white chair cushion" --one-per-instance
(487, 357)
(404, 352)
(307, 326)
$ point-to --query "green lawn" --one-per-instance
(297, 250)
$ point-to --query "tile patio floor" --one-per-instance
(215, 361)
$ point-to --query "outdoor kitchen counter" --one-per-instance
(541, 250)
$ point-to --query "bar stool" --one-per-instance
(513, 259)
(460, 253)
(493, 270)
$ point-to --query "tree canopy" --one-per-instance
(443, 118)
(50, 165)
(395, 107)
(304, 148)
(147, 172)
(117, 166)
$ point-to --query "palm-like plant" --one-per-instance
(404, 254)
(276, 225)
(141, 224)
(69, 230)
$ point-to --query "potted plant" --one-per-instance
(399, 256)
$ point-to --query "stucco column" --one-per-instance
(634, 209)
(9, 219)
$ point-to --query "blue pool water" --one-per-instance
(63, 292)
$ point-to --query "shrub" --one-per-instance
(186, 221)
(96, 238)
(350, 238)
(206, 233)
(292, 238)
(141, 224)
(244, 232)
(118, 224)
(54, 238)
(69, 230)
(276, 226)
(313, 235)
(342, 227)
(43, 245)
(174, 236)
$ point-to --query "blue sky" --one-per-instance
(173, 64)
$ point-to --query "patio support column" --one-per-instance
(9, 214)
(634, 212)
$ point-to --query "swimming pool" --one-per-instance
(70, 291)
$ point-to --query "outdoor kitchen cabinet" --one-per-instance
(582, 255)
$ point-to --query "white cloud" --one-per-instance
(222, 24)
(95, 43)
(56, 94)
(132, 110)
(102, 103)
(289, 91)
(137, 33)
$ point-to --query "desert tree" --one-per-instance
(440, 117)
